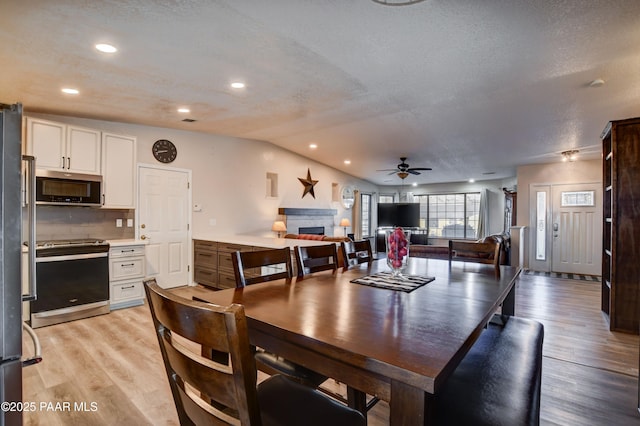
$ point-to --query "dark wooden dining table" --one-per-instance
(398, 346)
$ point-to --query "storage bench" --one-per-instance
(498, 382)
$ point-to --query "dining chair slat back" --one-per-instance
(248, 265)
(206, 391)
(243, 263)
(221, 328)
(310, 259)
(356, 252)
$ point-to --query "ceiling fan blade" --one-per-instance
(420, 168)
(413, 171)
(387, 170)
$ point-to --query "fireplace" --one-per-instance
(311, 221)
(314, 230)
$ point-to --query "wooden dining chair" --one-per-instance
(248, 265)
(247, 260)
(310, 259)
(355, 253)
(209, 392)
(470, 251)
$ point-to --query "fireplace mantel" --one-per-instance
(289, 211)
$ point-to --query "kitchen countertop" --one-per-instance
(112, 243)
(126, 242)
(266, 242)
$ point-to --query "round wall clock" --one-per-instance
(164, 151)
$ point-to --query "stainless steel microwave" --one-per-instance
(68, 189)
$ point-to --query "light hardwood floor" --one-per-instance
(590, 375)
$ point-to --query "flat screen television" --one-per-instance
(406, 215)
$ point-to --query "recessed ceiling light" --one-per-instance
(347, 161)
(414, 184)
(597, 82)
(471, 180)
(313, 146)
(184, 110)
(106, 48)
(238, 85)
(70, 91)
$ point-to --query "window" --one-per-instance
(450, 215)
(365, 214)
(385, 198)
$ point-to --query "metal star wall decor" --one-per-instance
(308, 184)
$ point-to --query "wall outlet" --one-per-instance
(118, 223)
(129, 223)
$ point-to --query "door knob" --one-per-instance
(143, 237)
(143, 226)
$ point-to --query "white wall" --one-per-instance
(581, 171)
(229, 177)
(585, 171)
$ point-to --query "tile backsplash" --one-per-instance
(63, 222)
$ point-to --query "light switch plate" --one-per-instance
(129, 223)
(118, 223)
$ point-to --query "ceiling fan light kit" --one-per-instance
(570, 155)
(403, 170)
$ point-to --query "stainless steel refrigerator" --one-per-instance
(11, 226)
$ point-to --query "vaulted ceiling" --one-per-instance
(471, 89)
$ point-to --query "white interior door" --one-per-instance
(163, 221)
(577, 228)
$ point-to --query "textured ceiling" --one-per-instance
(470, 88)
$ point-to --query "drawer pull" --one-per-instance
(128, 265)
(127, 251)
(128, 287)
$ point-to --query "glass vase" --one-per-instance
(397, 241)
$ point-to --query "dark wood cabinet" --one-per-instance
(621, 225)
(205, 262)
(213, 265)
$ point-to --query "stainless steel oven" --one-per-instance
(72, 280)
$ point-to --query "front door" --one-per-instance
(576, 228)
(163, 221)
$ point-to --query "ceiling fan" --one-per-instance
(403, 170)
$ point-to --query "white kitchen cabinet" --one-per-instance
(118, 171)
(126, 272)
(62, 147)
